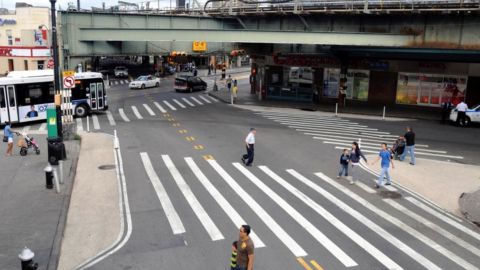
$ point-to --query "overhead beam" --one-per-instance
(245, 36)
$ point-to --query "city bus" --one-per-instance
(25, 95)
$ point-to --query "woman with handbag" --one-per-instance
(8, 137)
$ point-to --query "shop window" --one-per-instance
(40, 64)
(25, 64)
(9, 37)
(11, 67)
(357, 83)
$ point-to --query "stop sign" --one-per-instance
(50, 63)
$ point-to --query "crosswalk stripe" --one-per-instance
(115, 82)
(343, 145)
(302, 117)
(293, 246)
(79, 124)
(42, 127)
(340, 130)
(445, 219)
(319, 122)
(434, 227)
(364, 141)
(197, 208)
(172, 215)
(188, 102)
(365, 187)
(25, 129)
(365, 221)
(124, 81)
(399, 224)
(169, 105)
(313, 120)
(359, 240)
(371, 145)
(212, 98)
(123, 115)
(136, 112)
(149, 110)
(179, 104)
(204, 99)
(328, 125)
(159, 107)
(222, 202)
(354, 135)
(96, 124)
(110, 119)
(196, 100)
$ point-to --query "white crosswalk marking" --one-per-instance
(443, 218)
(124, 81)
(110, 119)
(96, 124)
(136, 112)
(328, 125)
(179, 104)
(170, 105)
(149, 110)
(360, 241)
(188, 102)
(434, 227)
(313, 121)
(123, 115)
(342, 130)
(115, 82)
(283, 236)
(424, 239)
(365, 221)
(196, 100)
(303, 117)
(365, 187)
(212, 98)
(204, 99)
(307, 225)
(43, 127)
(79, 124)
(197, 208)
(159, 107)
(222, 202)
(172, 215)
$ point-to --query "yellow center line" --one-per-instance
(304, 263)
(316, 265)
(208, 157)
(198, 147)
(190, 138)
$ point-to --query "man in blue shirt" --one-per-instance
(386, 158)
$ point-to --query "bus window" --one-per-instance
(11, 94)
(2, 98)
(38, 93)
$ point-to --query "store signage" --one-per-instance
(199, 46)
(7, 22)
(304, 61)
(20, 51)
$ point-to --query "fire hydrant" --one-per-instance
(26, 258)
(48, 176)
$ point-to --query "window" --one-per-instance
(38, 93)
(40, 64)
(357, 83)
(25, 63)
(9, 38)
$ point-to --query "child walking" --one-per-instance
(344, 159)
(233, 259)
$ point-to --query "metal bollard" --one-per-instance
(55, 178)
(88, 124)
(383, 116)
(336, 109)
(60, 168)
(48, 176)
(26, 259)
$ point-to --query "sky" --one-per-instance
(10, 4)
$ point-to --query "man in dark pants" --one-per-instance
(446, 107)
(462, 114)
(249, 142)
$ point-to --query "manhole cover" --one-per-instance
(107, 167)
(390, 194)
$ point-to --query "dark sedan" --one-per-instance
(189, 84)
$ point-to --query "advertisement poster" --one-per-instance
(33, 112)
(331, 79)
(407, 88)
(357, 83)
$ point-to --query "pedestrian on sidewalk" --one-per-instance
(355, 155)
(446, 108)
(410, 145)
(462, 108)
(245, 251)
(234, 92)
(8, 133)
(229, 83)
(233, 258)
(250, 143)
(386, 158)
(344, 159)
(224, 72)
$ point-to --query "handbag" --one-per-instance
(5, 138)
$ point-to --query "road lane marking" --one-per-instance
(179, 104)
(316, 265)
(123, 115)
(169, 105)
(365, 187)
(149, 110)
(293, 246)
(79, 124)
(212, 98)
(204, 99)
(322, 239)
(188, 102)
(347, 133)
(302, 117)
(192, 200)
(196, 100)
(302, 262)
(443, 218)
(42, 127)
(434, 227)
(340, 129)
(198, 147)
(220, 199)
(328, 126)
(172, 215)
(373, 226)
(136, 112)
(190, 138)
(159, 107)
(331, 247)
(377, 143)
(182, 131)
(207, 157)
(333, 130)
(320, 122)
(110, 118)
(96, 124)
(175, 125)
(422, 153)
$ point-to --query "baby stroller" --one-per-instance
(26, 143)
(398, 148)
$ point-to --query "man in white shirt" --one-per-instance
(249, 142)
(461, 113)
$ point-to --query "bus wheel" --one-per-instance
(81, 111)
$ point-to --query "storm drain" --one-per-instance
(107, 167)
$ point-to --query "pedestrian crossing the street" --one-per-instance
(427, 237)
(340, 133)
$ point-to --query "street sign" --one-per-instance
(68, 79)
(68, 73)
(199, 46)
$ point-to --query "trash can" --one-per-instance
(56, 150)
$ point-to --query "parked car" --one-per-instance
(143, 82)
(120, 71)
(189, 84)
(473, 115)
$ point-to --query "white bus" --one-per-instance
(25, 95)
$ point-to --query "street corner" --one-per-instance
(470, 205)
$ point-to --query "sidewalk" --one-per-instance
(32, 215)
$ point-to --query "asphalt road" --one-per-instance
(188, 191)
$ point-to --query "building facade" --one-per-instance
(24, 38)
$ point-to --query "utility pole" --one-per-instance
(78, 5)
(56, 71)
